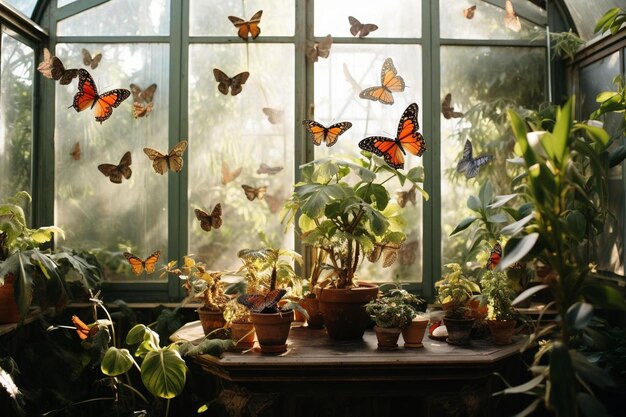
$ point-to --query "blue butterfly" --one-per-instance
(469, 164)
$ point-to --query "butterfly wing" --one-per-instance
(223, 81)
(159, 163)
(252, 193)
(511, 20)
(317, 131)
(323, 47)
(89, 61)
(253, 25)
(216, 216)
(205, 219)
(494, 257)
(407, 253)
(175, 157)
(95, 61)
(274, 116)
(355, 25)
(141, 110)
(386, 147)
(150, 262)
(274, 203)
(266, 169)
(136, 264)
(381, 94)
(469, 12)
(390, 254)
(136, 92)
(45, 66)
(475, 165)
(87, 92)
(366, 29)
(124, 165)
(254, 302)
(401, 198)
(467, 158)
(148, 93)
(332, 132)
(389, 77)
(111, 171)
(105, 103)
(237, 81)
(408, 136)
(227, 175)
(76, 151)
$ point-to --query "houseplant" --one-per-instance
(497, 293)
(237, 317)
(344, 211)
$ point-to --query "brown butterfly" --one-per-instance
(447, 110)
(141, 110)
(320, 49)
(173, 160)
(469, 12)
(90, 61)
(116, 172)
(228, 175)
(140, 95)
(208, 221)
(51, 67)
(407, 254)
(403, 197)
(511, 20)
(252, 193)
(388, 251)
(266, 169)
(274, 203)
(235, 83)
(274, 116)
(75, 151)
(358, 28)
(251, 27)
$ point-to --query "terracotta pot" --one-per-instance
(501, 331)
(458, 330)
(387, 337)
(414, 333)
(8, 307)
(477, 311)
(272, 330)
(211, 320)
(344, 310)
(312, 306)
(243, 334)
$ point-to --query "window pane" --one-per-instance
(24, 6)
(123, 18)
(232, 133)
(61, 3)
(95, 213)
(487, 23)
(483, 82)
(338, 81)
(210, 17)
(16, 116)
(585, 14)
(394, 18)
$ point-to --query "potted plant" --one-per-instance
(237, 317)
(310, 302)
(344, 211)
(497, 293)
(454, 291)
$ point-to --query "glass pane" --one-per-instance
(61, 3)
(595, 78)
(123, 18)
(24, 6)
(16, 116)
(210, 17)
(483, 83)
(338, 81)
(95, 213)
(231, 134)
(488, 23)
(585, 14)
(394, 18)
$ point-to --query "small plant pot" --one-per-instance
(458, 330)
(9, 312)
(501, 331)
(312, 306)
(243, 334)
(211, 320)
(387, 337)
(272, 330)
(413, 334)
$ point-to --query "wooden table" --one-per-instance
(318, 376)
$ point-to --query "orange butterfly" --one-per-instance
(88, 97)
(76, 151)
(51, 67)
(511, 20)
(407, 139)
(330, 134)
(116, 172)
(138, 265)
(208, 221)
(90, 61)
(84, 331)
(361, 29)
(228, 175)
(469, 12)
(258, 302)
(235, 83)
(251, 27)
(252, 193)
(172, 160)
(447, 110)
(390, 82)
(494, 257)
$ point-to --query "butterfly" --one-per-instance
(257, 303)
(173, 160)
(140, 95)
(469, 164)
(407, 254)
(358, 28)
(388, 251)
(407, 139)
(235, 83)
(329, 134)
(390, 82)
(90, 61)
(274, 116)
(320, 49)
(251, 27)
(494, 257)
(266, 169)
(447, 110)
(51, 67)
(76, 151)
(138, 265)
(403, 197)
(83, 330)
(511, 20)
(88, 97)
(469, 12)
(141, 110)
(252, 193)
(227, 175)
(208, 221)
(274, 203)
(116, 172)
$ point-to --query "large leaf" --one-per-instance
(502, 200)
(320, 198)
(136, 334)
(527, 293)
(561, 131)
(579, 315)
(617, 155)
(116, 361)
(374, 193)
(463, 224)
(514, 228)
(163, 372)
(604, 296)
(562, 394)
(519, 129)
(520, 249)
(525, 387)
(473, 203)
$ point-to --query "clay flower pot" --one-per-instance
(414, 332)
(501, 331)
(458, 330)
(312, 306)
(272, 330)
(210, 320)
(387, 337)
(243, 334)
(344, 310)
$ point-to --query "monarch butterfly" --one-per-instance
(469, 164)
(138, 265)
(408, 138)
(90, 61)
(330, 134)
(252, 193)
(75, 151)
(390, 82)
(141, 110)
(494, 257)
(51, 67)
(88, 97)
(447, 110)
(320, 49)
(116, 172)
(83, 330)
(228, 175)
(140, 95)
(251, 27)
(266, 169)
(173, 160)
(358, 28)
(511, 20)
(403, 197)
(208, 221)
(235, 83)
(388, 251)
(258, 302)
(469, 12)
(274, 116)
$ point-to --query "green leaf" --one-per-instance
(617, 155)
(213, 347)
(374, 193)
(604, 296)
(322, 196)
(577, 224)
(562, 394)
(561, 131)
(163, 372)
(519, 129)
(514, 228)
(485, 194)
(579, 315)
(607, 95)
(528, 292)
(596, 133)
(116, 361)
(591, 372)
(520, 249)
(136, 334)
(502, 200)
(591, 406)
(605, 20)
(525, 387)
(498, 218)
(473, 203)
(463, 224)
